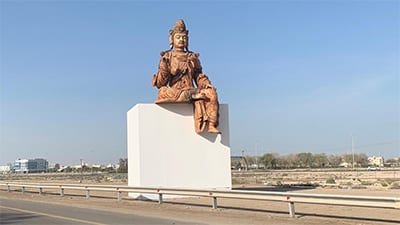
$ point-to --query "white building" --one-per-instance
(376, 161)
(21, 166)
(5, 169)
(30, 165)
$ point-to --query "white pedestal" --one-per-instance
(165, 151)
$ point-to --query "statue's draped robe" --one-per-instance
(179, 78)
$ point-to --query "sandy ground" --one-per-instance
(344, 177)
(231, 211)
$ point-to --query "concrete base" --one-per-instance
(164, 150)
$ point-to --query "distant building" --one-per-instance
(376, 161)
(31, 165)
(345, 164)
(5, 169)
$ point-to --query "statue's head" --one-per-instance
(179, 36)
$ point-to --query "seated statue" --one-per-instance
(180, 79)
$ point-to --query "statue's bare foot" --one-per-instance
(213, 129)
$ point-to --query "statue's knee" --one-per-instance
(211, 94)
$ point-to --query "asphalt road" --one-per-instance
(13, 211)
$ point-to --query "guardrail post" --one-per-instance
(23, 189)
(292, 212)
(40, 191)
(87, 193)
(397, 203)
(214, 203)
(160, 199)
(119, 195)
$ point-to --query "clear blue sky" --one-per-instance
(299, 76)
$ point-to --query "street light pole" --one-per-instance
(256, 156)
(352, 148)
(81, 171)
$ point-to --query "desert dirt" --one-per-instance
(234, 211)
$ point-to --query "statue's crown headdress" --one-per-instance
(179, 27)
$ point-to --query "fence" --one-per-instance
(288, 197)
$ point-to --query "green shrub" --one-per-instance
(395, 186)
(331, 181)
(366, 183)
(389, 181)
(236, 181)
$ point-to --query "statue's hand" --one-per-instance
(208, 86)
(154, 80)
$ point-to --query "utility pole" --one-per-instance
(256, 156)
(244, 161)
(352, 148)
(81, 171)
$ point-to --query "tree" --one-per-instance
(57, 166)
(304, 159)
(359, 159)
(123, 165)
(348, 158)
(320, 160)
(269, 160)
(84, 169)
(68, 169)
(393, 162)
(334, 160)
(287, 161)
(251, 159)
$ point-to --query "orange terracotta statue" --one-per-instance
(180, 79)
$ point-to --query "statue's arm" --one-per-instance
(162, 77)
(203, 82)
(201, 79)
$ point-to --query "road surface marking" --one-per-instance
(54, 216)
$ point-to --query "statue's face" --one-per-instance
(180, 40)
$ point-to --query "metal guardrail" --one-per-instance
(289, 197)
